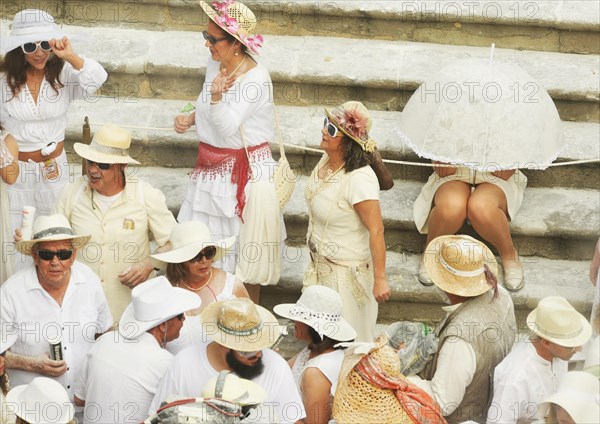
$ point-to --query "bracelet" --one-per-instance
(215, 102)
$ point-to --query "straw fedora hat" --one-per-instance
(557, 321)
(456, 263)
(241, 325)
(43, 401)
(187, 240)
(230, 387)
(28, 26)
(320, 308)
(357, 400)
(51, 228)
(152, 303)
(109, 145)
(236, 19)
(578, 393)
(354, 120)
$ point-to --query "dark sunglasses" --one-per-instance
(211, 38)
(208, 253)
(30, 48)
(49, 255)
(332, 130)
(102, 166)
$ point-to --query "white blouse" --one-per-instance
(35, 125)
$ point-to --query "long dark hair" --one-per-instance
(354, 156)
(176, 273)
(318, 345)
(15, 67)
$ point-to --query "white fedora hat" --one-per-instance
(152, 303)
(187, 240)
(556, 320)
(241, 325)
(578, 393)
(320, 308)
(51, 228)
(6, 341)
(230, 387)
(456, 264)
(43, 401)
(109, 145)
(28, 26)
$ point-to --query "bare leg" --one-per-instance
(488, 212)
(253, 292)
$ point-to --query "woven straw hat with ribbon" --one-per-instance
(51, 228)
(371, 389)
(457, 264)
(354, 120)
(236, 19)
(241, 325)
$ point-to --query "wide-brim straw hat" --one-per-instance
(187, 240)
(357, 400)
(557, 321)
(230, 387)
(456, 265)
(241, 325)
(152, 303)
(354, 120)
(578, 393)
(110, 144)
(236, 19)
(320, 308)
(29, 26)
(51, 228)
(43, 401)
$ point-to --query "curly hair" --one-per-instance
(354, 156)
(4, 383)
(15, 67)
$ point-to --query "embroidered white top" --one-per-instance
(34, 125)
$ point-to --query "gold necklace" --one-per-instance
(238, 67)
(201, 287)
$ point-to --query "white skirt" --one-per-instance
(513, 189)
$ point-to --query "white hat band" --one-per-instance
(459, 272)
(118, 151)
(232, 332)
(559, 336)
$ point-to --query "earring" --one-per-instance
(237, 53)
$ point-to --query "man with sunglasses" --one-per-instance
(239, 337)
(55, 299)
(119, 211)
(121, 372)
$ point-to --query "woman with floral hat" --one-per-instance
(40, 76)
(345, 230)
(234, 118)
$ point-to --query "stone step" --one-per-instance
(552, 222)
(323, 70)
(157, 144)
(547, 25)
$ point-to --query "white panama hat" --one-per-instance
(578, 393)
(43, 401)
(152, 303)
(230, 387)
(110, 144)
(28, 26)
(51, 228)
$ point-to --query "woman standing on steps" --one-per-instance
(345, 229)
(40, 75)
(234, 122)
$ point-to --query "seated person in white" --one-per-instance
(120, 374)
(530, 373)
(242, 333)
(55, 299)
(318, 321)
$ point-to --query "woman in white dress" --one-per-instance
(189, 264)
(9, 171)
(40, 76)
(345, 229)
(318, 321)
(234, 120)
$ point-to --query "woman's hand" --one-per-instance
(505, 175)
(184, 122)
(381, 290)
(63, 50)
(220, 85)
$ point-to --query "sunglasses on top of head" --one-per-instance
(211, 38)
(30, 48)
(332, 130)
(48, 255)
(208, 253)
(102, 166)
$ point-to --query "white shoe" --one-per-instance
(513, 276)
(423, 275)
